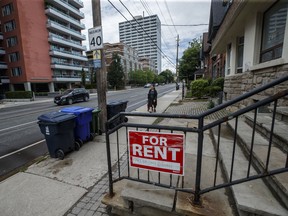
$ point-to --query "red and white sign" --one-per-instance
(163, 152)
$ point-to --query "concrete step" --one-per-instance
(277, 183)
(281, 113)
(253, 197)
(263, 126)
(135, 198)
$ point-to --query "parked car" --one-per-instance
(148, 85)
(72, 95)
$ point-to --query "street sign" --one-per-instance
(95, 38)
(162, 152)
(93, 55)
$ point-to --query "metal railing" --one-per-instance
(197, 191)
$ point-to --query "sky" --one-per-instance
(170, 12)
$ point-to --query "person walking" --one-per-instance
(152, 99)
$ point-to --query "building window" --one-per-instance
(240, 49)
(9, 26)
(11, 41)
(273, 31)
(7, 9)
(16, 72)
(228, 59)
(13, 57)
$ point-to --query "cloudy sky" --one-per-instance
(170, 12)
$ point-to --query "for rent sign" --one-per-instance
(162, 152)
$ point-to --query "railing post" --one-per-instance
(111, 193)
(199, 161)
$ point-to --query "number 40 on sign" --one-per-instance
(95, 38)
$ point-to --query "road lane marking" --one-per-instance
(26, 147)
(17, 126)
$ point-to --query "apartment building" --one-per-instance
(144, 35)
(148, 64)
(42, 41)
(129, 57)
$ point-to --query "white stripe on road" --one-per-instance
(26, 147)
(18, 126)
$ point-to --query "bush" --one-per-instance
(213, 91)
(19, 94)
(218, 82)
(210, 104)
(41, 93)
(198, 87)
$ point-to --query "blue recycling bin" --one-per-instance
(113, 108)
(83, 118)
(58, 130)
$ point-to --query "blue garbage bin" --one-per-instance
(113, 108)
(83, 118)
(58, 130)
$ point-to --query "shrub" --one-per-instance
(198, 87)
(210, 104)
(213, 91)
(41, 93)
(218, 82)
(19, 94)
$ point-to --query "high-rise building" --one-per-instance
(144, 35)
(42, 44)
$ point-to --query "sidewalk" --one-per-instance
(73, 186)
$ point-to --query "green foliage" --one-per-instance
(18, 94)
(198, 87)
(83, 77)
(91, 86)
(41, 93)
(210, 104)
(168, 75)
(115, 75)
(218, 82)
(140, 77)
(204, 87)
(190, 60)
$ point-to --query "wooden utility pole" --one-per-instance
(101, 74)
(177, 72)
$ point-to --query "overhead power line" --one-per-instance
(138, 30)
(184, 25)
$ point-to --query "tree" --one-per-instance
(83, 77)
(168, 75)
(190, 60)
(115, 75)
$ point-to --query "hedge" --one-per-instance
(19, 94)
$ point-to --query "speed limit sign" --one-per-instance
(95, 38)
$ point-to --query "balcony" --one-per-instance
(68, 78)
(51, 25)
(2, 51)
(4, 79)
(3, 65)
(64, 5)
(53, 12)
(76, 3)
(62, 41)
(68, 55)
(64, 66)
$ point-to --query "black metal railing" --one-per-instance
(177, 183)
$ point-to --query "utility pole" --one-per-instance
(177, 72)
(101, 74)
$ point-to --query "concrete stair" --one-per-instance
(266, 196)
(136, 198)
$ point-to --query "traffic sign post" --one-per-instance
(95, 38)
(162, 152)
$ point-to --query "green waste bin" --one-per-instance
(95, 123)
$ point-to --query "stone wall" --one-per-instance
(241, 83)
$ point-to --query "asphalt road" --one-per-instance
(21, 141)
